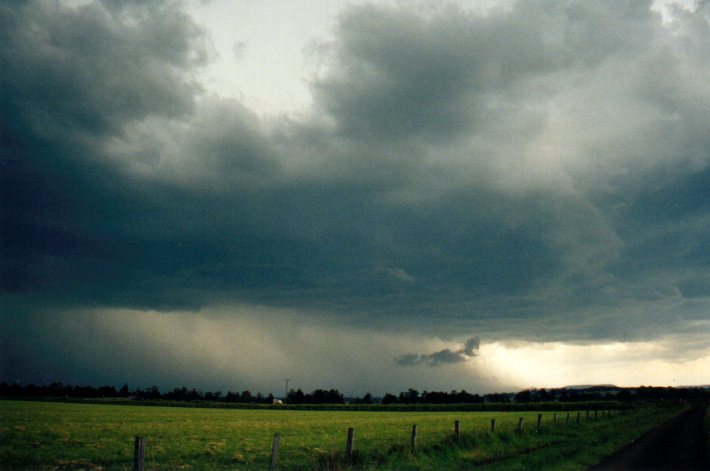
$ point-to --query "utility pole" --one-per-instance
(286, 388)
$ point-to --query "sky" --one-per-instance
(368, 196)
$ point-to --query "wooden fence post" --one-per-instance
(414, 436)
(595, 414)
(520, 424)
(587, 414)
(138, 453)
(456, 429)
(274, 452)
(493, 425)
(349, 446)
(578, 414)
(554, 418)
(567, 421)
(539, 421)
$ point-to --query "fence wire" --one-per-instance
(255, 449)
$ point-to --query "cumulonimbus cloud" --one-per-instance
(547, 163)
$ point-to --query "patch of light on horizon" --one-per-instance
(558, 364)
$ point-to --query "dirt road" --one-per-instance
(679, 444)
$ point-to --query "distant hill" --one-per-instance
(593, 387)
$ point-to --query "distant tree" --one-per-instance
(435, 397)
(78, 391)
(321, 396)
(232, 397)
(178, 394)
(389, 399)
(152, 392)
(523, 396)
(58, 389)
(413, 395)
(106, 391)
(213, 396)
(194, 395)
(296, 397)
(624, 395)
(496, 397)
(409, 397)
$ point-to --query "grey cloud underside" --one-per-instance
(442, 357)
(460, 173)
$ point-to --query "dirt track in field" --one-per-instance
(679, 444)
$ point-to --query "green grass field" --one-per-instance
(61, 435)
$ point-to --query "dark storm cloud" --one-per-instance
(91, 69)
(442, 357)
(73, 79)
(539, 172)
(471, 346)
(402, 74)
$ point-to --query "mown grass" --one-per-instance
(59, 435)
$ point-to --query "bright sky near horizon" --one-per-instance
(480, 195)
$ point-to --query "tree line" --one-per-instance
(578, 394)
(150, 393)
(333, 396)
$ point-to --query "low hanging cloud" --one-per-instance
(442, 357)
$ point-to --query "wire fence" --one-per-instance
(302, 447)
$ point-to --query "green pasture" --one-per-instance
(65, 436)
